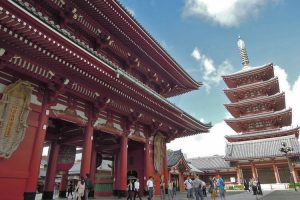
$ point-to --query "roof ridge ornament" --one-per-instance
(243, 52)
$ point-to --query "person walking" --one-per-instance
(150, 188)
(170, 190)
(136, 189)
(189, 187)
(130, 187)
(80, 188)
(70, 189)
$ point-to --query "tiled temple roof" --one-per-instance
(174, 157)
(210, 163)
(263, 148)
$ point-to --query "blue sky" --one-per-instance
(201, 36)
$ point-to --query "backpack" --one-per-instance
(202, 185)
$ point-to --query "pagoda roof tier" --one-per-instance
(112, 32)
(249, 75)
(263, 148)
(38, 49)
(254, 90)
(274, 102)
(261, 121)
(263, 134)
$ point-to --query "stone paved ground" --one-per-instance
(231, 195)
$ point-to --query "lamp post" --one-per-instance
(285, 149)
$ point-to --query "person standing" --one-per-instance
(88, 186)
(174, 188)
(189, 187)
(170, 190)
(221, 187)
(197, 183)
(150, 187)
(136, 189)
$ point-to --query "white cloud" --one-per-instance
(225, 13)
(206, 144)
(196, 54)
(212, 75)
(292, 93)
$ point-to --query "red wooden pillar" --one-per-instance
(87, 149)
(238, 174)
(294, 172)
(51, 171)
(253, 169)
(123, 166)
(276, 173)
(165, 166)
(63, 185)
(147, 160)
(37, 149)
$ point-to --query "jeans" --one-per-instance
(170, 194)
(199, 193)
(190, 193)
(150, 193)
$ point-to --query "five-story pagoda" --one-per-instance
(262, 122)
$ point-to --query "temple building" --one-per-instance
(85, 74)
(262, 124)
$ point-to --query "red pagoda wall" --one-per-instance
(15, 170)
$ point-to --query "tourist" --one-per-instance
(189, 187)
(162, 187)
(246, 185)
(259, 191)
(136, 189)
(150, 187)
(88, 186)
(80, 188)
(70, 189)
(213, 188)
(174, 188)
(198, 184)
(221, 187)
(254, 186)
(170, 190)
(204, 189)
(130, 187)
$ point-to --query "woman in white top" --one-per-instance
(80, 187)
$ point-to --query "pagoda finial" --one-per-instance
(243, 52)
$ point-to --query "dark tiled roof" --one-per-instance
(210, 163)
(263, 148)
(174, 157)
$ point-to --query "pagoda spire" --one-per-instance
(243, 52)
